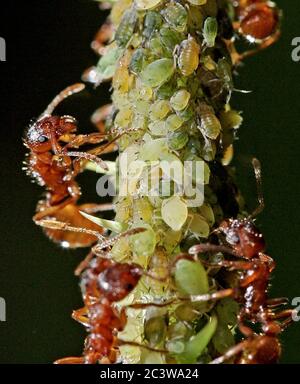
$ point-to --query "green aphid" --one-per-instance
(152, 22)
(126, 28)
(176, 15)
(155, 330)
(190, 278)
(210, 31)
(177, 140)
(158, 72)
(107, 64)
(169, 38)
(137, 62)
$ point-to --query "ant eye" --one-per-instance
(42, 139)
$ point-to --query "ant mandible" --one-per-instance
(51, 140)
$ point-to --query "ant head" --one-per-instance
(245, 238)
(117, 281)
(259, 20)
(39, 135)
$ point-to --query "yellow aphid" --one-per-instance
(188, 59)
(124, 118)
(147, 4)
(227, 155)
(210, 125)
(159, 110)
(118, 10)
(122, 80)
(180, 99)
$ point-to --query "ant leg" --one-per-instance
(70, 360)
(94, 208)
(91, 138)
(80, 316)
(282, 314)
(86, 156)
(105, 243)
(211, 296)
(84, 264)
(230, 353)
(146, 305)
(273, 303)
(267, 259)
(59, 225)
(203, 248)
(52, 210)
(246, 331)
(264, 45)
(121, 342)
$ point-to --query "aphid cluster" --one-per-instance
(161, 283)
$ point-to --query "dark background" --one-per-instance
(47, 49)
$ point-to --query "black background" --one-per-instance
(47, 49)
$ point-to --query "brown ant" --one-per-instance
(244, 240)
(51, 140)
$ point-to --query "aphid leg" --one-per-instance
(59, 225)
(83, 264)
(230, 353)
(273, 303)
(70, 360)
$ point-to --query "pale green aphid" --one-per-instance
(210, 31)
(174, 212)
(176, 15)
(158, 72)
(177, 140)
(126, 28)
(147, 4)
(152, 22)
(194, 347)
(143, 244)
(190, 278)
(155, 330)
(107, 64)
(180, 99)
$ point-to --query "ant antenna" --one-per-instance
(261, 203)
(69, 91)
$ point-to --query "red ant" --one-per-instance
(104, 283)
(49, 162)
(245, 241)
(258, 22)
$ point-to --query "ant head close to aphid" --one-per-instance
(243, 235)
(39, 136)
(43, 133)
(118, 280)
